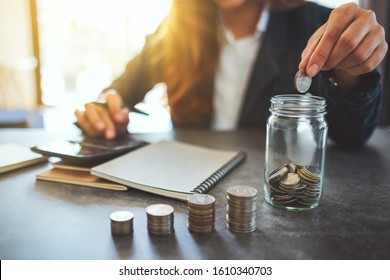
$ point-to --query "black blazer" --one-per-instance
(352, 116)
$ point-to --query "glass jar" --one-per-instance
(295, 151)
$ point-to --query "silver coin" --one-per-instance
(159, 210)
(292, 168)
(302, 82)
(121, 216)
(242, 191)
(291, 180)
(201, 199)
(278, 174)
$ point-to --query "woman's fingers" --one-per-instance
(352, 41)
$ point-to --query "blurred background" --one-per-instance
(56, 55)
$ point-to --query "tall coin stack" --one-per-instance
(241, 209)
(121, 222)
(201, 213)
(160, 219)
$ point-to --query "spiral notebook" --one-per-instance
(170, 168)
(14, 156)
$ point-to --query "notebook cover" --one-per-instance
(168, 168)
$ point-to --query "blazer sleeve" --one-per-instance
(138, 77)
(352, 115)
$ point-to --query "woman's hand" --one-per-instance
(351, 43)
(108, 119)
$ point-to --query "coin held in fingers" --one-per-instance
(302, 82)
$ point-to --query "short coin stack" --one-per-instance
(160, 219)
(121, 222)
(241, 209)
(294, 185)
(201, 213)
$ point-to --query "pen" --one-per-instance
(134, 110)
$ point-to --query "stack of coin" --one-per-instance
(160, 219)
(241, 209)
(294, 185)
(121, 222)
(201, 213)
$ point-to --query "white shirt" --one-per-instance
(232, 75)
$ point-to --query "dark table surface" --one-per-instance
(43, 220)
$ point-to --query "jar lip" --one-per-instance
(299, 97)
(298, 105)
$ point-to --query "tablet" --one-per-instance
(87, 151)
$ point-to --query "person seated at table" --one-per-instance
(222, 61)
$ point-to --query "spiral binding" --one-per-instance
(210, 182)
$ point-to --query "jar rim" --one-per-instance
(297, 105)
